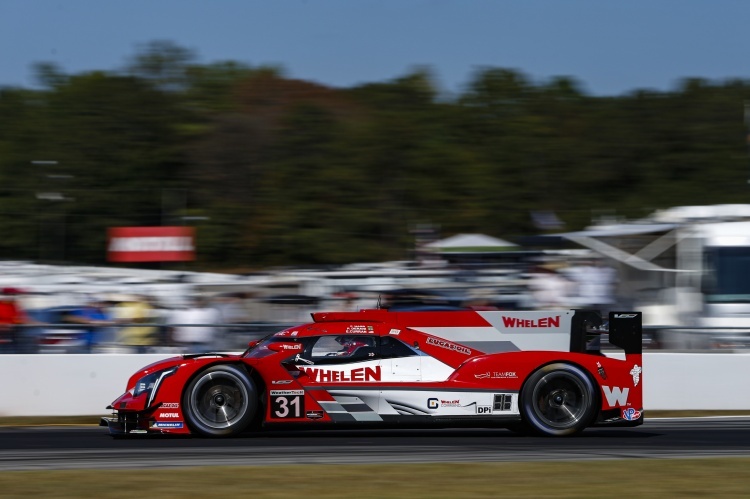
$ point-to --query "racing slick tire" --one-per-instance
(558, 400)
(220, 401)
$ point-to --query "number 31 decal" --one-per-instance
(287, 403)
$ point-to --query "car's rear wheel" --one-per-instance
(558, 400)
(220, 401)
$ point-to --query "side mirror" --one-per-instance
(253, 344)
(285, 347)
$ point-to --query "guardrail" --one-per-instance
(696, 338)
(75, 384)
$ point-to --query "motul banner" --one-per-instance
(150, 244)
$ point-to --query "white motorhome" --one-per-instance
(687, 268)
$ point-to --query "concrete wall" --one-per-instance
(709, 381)
(65, 384)
(69, 385)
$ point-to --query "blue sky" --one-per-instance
(610, 47)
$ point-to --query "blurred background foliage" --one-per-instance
(278, 171)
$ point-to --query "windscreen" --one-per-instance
(727, 278)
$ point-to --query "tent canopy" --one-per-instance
(471, 243)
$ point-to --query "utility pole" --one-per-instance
(55, 232)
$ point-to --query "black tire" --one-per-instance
(558, 400)
(220, 401)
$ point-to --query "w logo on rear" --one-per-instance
(616, 396)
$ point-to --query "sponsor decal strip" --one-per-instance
(359, 329)
(631, 414)
(287, 392)
(497, 375)
(167, 424)
(616, 396)
(361, 374)
(448, 345)
(543, 322)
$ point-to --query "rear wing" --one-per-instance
(626, 331)
(624, 328)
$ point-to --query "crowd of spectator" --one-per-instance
(138, 323)
(588, 284)
(123, 323)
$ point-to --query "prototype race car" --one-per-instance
(537, 372)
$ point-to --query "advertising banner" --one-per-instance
(150, 244)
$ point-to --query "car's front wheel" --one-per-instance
(220, 401)
(558, 400)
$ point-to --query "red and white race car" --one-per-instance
(527, 371)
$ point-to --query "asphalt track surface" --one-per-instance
(45, 448)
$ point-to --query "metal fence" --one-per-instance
(151, 337)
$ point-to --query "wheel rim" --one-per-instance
(560, 400)
(219, 399)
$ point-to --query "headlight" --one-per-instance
(150, 383)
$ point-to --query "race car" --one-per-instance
(539, 372)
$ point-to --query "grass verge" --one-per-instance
(720, 477)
